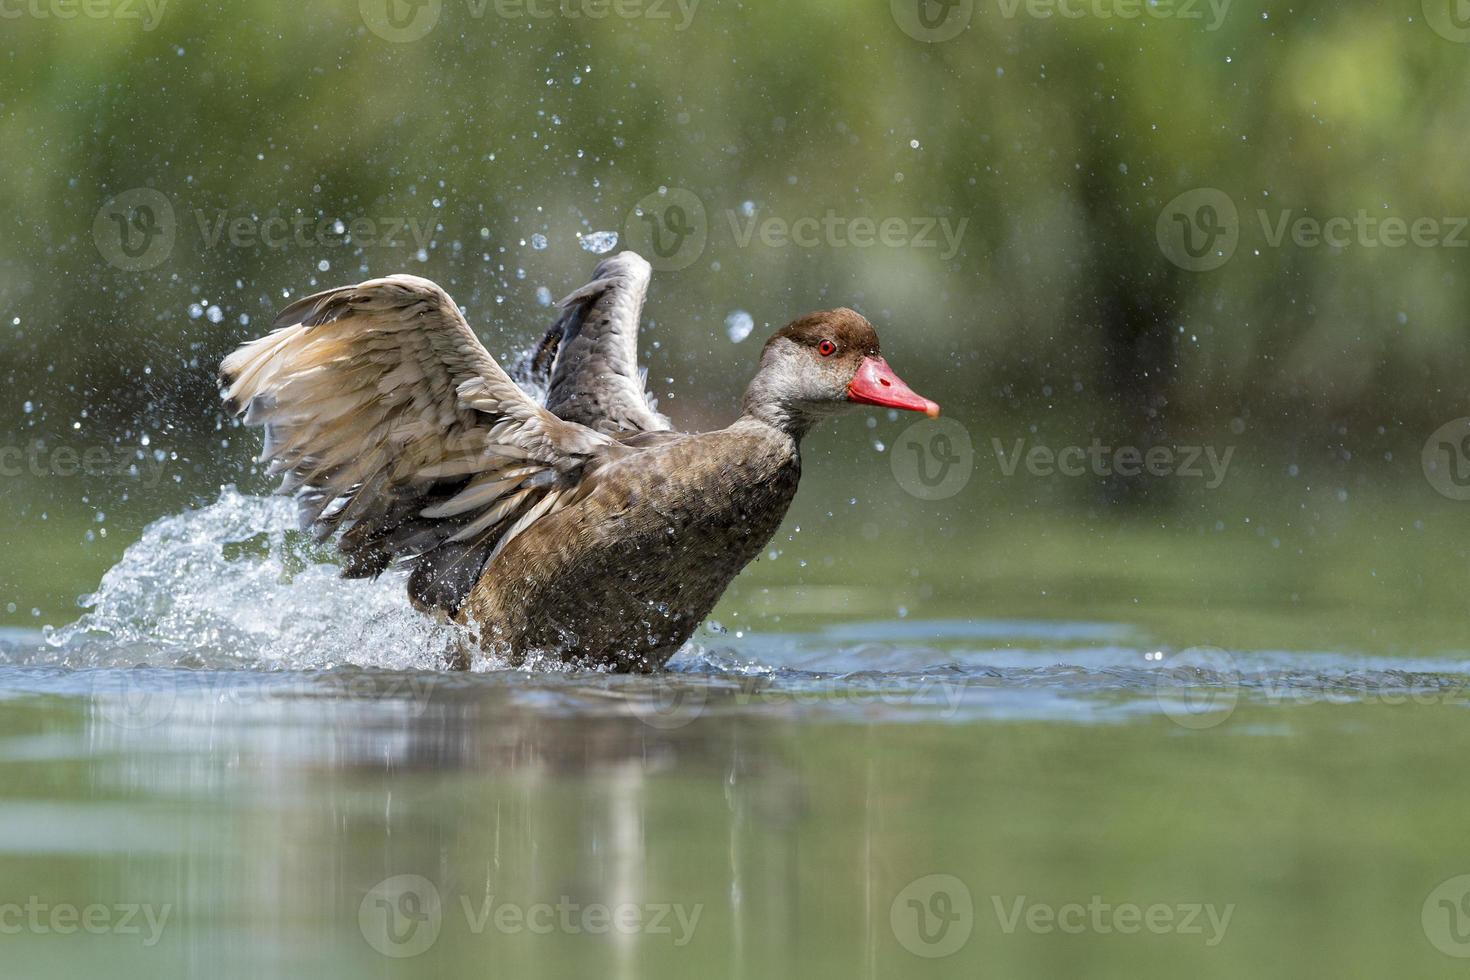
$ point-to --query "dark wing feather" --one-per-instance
(588, 360)
(393, 425)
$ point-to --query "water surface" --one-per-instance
(244, 766)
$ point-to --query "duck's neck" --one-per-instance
(761, 405)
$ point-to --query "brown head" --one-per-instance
(821, 364)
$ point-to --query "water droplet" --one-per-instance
(599, 242)
(538, 241)
(738, 325)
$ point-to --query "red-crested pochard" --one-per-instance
(585, 528)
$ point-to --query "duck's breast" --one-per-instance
(632, 569)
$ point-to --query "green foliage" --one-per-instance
(1058, 140)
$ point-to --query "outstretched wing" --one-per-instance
(588, 360)
(392, 424)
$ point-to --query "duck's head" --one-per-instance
(821, 364)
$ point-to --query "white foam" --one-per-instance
(235, 584)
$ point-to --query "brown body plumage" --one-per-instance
(585, 529)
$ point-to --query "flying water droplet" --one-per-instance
(738, 325)
(600, 242)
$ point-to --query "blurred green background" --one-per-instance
(1132, 207)
(1054, 149)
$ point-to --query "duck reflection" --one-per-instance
(511, 812)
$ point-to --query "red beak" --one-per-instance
(876, 384)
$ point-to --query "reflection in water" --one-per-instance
(282, 802)
(752, 817)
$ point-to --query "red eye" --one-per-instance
(826, 348)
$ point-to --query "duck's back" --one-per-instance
(624, 576)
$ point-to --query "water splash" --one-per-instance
(599, 242)
(235, 584)
(738, 325)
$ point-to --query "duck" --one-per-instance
(561, 518)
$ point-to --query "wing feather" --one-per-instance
(393, 425)
(588, 360)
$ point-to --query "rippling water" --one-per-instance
(265, 760)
